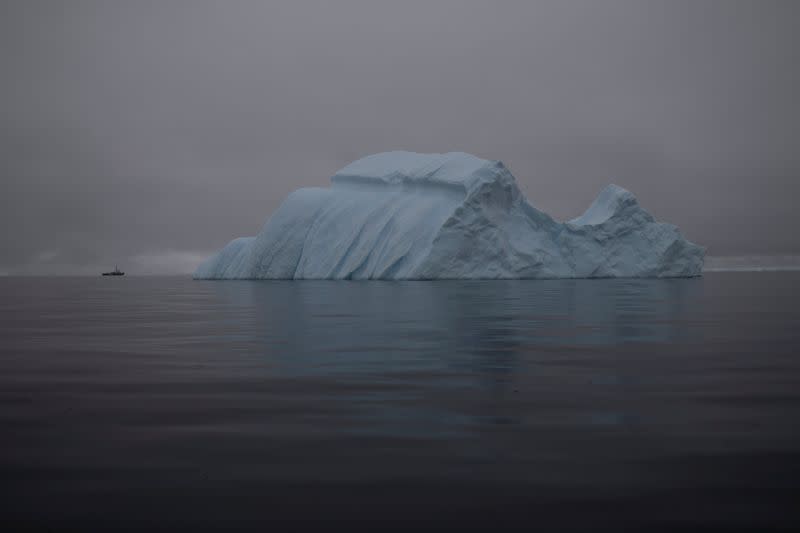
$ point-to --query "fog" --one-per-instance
(150, 133)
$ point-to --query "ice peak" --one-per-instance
(611, 201)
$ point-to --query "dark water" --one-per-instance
(164, 403)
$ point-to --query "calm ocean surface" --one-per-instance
(166, 403)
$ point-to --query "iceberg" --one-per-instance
(403, 215)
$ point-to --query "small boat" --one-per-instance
(115, 272)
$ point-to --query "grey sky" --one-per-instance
(150, 132)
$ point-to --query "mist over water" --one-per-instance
(171, 403)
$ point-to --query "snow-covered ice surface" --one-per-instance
(402, 215)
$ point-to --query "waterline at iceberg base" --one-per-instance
(403, 215)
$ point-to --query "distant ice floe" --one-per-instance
(752, 263)
(167, 262)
